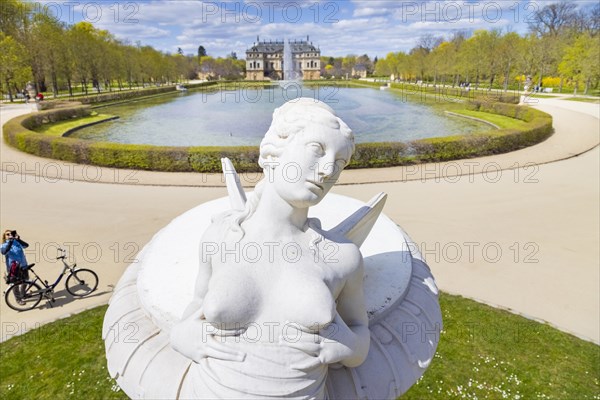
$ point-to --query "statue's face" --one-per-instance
(310, 165)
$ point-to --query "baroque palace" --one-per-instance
(264, 60)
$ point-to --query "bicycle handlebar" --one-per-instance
(63, 256)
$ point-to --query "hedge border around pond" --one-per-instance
(443, 92)
(128, 95)
(19, 134)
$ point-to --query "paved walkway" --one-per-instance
(516, 230)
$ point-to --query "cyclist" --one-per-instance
(12, 249)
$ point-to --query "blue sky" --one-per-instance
(339, 28)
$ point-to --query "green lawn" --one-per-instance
(583, 99)
(59, 128)
(499, 120)
(64, 359)
(484, 353)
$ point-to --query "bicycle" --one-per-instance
(80, 282)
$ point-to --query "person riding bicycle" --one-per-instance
(12, 249)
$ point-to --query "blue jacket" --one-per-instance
(12, 249)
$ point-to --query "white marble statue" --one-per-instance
(278, 308)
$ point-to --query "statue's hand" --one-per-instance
(194, 338)
(330, 345)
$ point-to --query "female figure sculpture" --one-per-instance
(279, 308)
(305, 310)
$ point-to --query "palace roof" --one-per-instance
(276, 46)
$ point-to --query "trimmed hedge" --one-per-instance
(384, 154)
(18, 133)
(447, 93)
(119, 95)
(538, 129)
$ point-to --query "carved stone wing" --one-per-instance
(237, 196)
(358, 225)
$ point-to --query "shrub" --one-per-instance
(132, 94)
(447, 93)
(538, 129)
(208, 159)
(375, 155)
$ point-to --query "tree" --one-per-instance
(442, 58)
(364, 62)
(580, 61)
(201, 52)
(382, 68)
(419, 62)
(554, 18)
(592, 21)
(222, 68)
(556, 25)
(429, 42)
(87, 52)
(419, 55)
(186, 66)
(458, 39)
(348, 64)
(13, 67)
(13, 18)
(489, 44)
(50, 49)
(507, 55)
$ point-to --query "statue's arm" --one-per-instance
(201, 287)
(210, 238)
(352, 322)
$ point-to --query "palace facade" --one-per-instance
(264, 60)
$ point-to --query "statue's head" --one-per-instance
(305, 150)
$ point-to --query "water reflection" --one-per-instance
(242, 116)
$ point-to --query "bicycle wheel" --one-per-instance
(82, 282)
(32, 297)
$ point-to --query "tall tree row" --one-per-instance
(562, 42)
(53, 56)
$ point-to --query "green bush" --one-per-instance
(377, 155)
(447, 93)
(18, 133)
(208, 159)
(132, 94)
(538, 129)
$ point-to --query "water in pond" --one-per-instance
(241, 117)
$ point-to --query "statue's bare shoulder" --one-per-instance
(337, 250)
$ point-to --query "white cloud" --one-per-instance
(136, 32)
(369, 12)
(373, 27)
